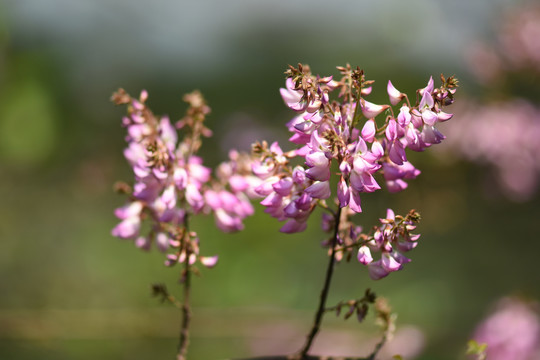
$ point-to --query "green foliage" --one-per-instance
(477, 349)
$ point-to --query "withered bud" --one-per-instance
(195, 271)
(382, 307)
(351, 310)
(122, 187)
(259, 148)
(159, 290)
(414, 216)
(358, 74)
(194, 99)
(361, 312)
(450, 83)
(370, 296)
(120, 97)
(344, 69)
(369, 82)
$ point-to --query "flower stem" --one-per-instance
(324, 293)
(186, 313)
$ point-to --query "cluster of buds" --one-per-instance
(346, 132)
(171, 182)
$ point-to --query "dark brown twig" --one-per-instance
(324, 293)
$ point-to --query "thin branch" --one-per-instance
(385, 316)
(324, 293)
(378, 347)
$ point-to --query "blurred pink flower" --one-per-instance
(517, 47)
(512, 331)
(504, 136)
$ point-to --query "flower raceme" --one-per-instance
(172, 183)
(328, 132)
(337, 128)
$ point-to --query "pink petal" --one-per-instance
(442, 116)
(404, 116)
(283, 186)
(142, 242)
(343, 193)
(391, 130)
(429, 88)
(429, 117)
(368, 131)
(293, 226)
(394, 94)
(371, 110)
(132, 209)
(319, 190)
(427, 101)
(355, 203)
(209, 261)
(389, 263)
(320, 173)
(376, 271)
(162, 241)
(316, 158)
(127, 229)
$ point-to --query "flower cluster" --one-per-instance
(328, 132)
(345, 136)
(171, 182)
(389, 240)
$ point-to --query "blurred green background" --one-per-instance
(69, 290)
